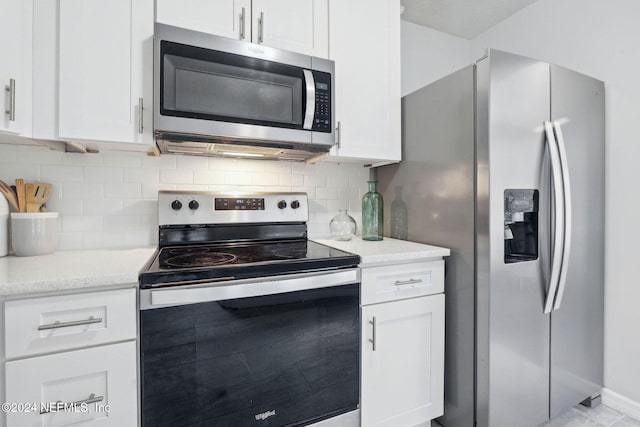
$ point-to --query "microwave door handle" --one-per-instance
(558, 215)
(310, 109)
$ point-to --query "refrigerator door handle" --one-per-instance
(564, 264)
(558, 202)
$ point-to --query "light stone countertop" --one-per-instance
(67, 270)
(386, 251)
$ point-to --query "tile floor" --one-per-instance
(600, 416)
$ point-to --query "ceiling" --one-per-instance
(462, 18)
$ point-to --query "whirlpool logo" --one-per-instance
(263, 416)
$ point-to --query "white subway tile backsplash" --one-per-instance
(123, 160)
(103, 174)
(192, 187)
(102, 239)
(192, 162)
(150, 190)
(237, 178)
(122, 223)
(69, 241)
(10, 169)
(82, 223)
(144, 175)
(315, 181)
(326, 193)
(65, 206)
(140, 207)
(291, 180)
(74, 190)
(176, 176)
(266, 178)
(63, 173)
(279, 167)
(109, 200)
(252, 165)
(82, 159)
(223, 164)
(104, 207)
(123, 191)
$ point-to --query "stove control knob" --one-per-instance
(193, 205)
(295, 204)
(282, 204)
(176, 205)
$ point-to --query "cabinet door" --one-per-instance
(296, 25)
(220, 17)
(367, 56)
(105, 60)
(106, 375)
(403, 376)
(15, 66)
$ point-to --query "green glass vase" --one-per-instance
(372, 213)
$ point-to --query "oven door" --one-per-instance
(243, 355)
(212, 85)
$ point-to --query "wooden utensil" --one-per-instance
(9, 195)
(36, 195)
(20, 192)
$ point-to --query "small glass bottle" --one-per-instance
(372, 213)
(399, 217)
(342, 226)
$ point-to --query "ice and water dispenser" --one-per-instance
(520, 225)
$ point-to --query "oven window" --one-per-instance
(206, 84)
(290, 358)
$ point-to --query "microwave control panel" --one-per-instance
(322, 119)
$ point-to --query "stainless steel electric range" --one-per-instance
(243, 321)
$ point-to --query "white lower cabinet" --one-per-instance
(71, 359)
(100, 381)
(402, 344)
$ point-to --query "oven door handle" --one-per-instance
(246, 288)
(310, 109)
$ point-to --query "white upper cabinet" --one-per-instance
(225, 18)
(365, 45)
(16, 25)
(297, 25)
(105, 70)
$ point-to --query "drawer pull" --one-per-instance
(408, 282)
(92, 399)
(57, 324)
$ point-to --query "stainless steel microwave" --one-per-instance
(222, 97)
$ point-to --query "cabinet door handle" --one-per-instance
(92, 399)
(57, 324)
(261, 28)
(242, 15)
(140, 115)
(408, 282)
(372, 340)
(338, 136)
(11, 93)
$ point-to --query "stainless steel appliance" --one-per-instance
(243, 321)
(505, 165)
(217, 96)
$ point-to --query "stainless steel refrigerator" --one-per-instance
(504, 164)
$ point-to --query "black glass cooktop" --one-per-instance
(178, 265)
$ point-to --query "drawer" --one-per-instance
(394, 282)
(48, 324)
(103, 378)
